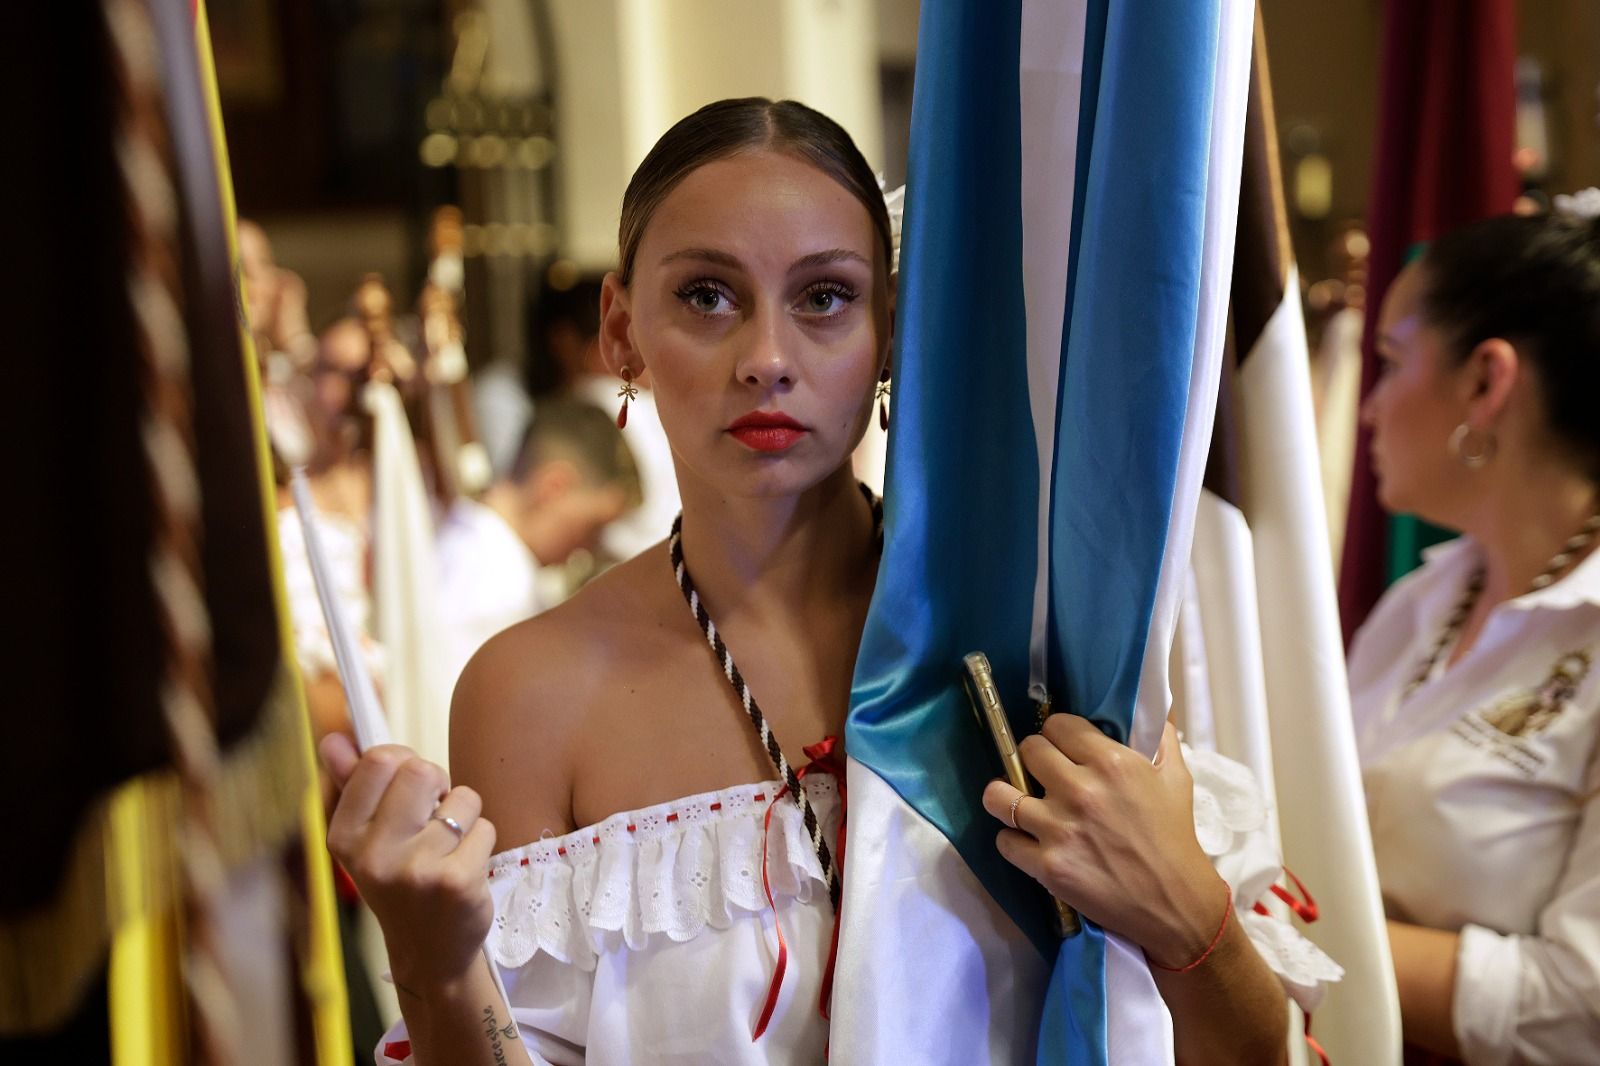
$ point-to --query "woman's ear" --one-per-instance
(1490, 375)
(616, 327)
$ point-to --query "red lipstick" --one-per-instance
(767, 431)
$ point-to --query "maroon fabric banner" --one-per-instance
(1446, 125)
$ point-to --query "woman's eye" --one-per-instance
(828, 298)
(704, 298)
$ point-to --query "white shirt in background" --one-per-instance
(488, 580)
(1480, 791)
(502, 408)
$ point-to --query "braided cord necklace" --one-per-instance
(747, 699)
(1469, 599)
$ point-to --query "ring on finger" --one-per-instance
(1012, 814)
(449, 823)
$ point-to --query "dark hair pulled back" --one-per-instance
(728, 127)
(1533, 281)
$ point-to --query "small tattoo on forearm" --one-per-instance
(491, 1029)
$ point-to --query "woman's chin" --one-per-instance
(1393, 498)
(771, 475)
(1385, 496)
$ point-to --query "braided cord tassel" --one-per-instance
(730, 670)
(167, 435)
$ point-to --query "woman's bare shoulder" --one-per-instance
(521, 705)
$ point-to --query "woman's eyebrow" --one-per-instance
(832, 255)
(704, 255)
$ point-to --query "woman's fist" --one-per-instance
(418, 851)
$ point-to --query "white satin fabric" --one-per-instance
(405, 588)
(939, 974)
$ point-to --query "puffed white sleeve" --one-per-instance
(545, 963)
(1234, 826)
(1535, 1000)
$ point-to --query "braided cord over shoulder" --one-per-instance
(747, 699)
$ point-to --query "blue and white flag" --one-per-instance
(1064, 277)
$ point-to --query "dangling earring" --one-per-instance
(629, 391)
(883, 401)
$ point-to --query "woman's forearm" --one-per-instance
(1229, 1010)
(460, 1023)
(1425, 977)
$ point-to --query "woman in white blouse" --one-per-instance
(1476, 698)
(629, 917)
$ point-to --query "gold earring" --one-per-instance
(629, 391)
(1461, 446)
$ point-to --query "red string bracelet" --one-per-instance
(1206, 954)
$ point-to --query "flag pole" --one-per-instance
(361, 695)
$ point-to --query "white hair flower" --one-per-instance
(895, 201)
(1582, 205)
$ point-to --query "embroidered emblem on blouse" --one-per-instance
(1530, 713)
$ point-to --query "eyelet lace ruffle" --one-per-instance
(1232, 824)
(670, 870)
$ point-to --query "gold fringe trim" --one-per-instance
(123, 863)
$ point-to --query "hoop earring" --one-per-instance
(1473, 458)
(629, 391)
(883, 402)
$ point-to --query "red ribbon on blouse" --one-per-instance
(824, 756)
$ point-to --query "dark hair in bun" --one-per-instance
(1533, 281)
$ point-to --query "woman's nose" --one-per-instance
(765, 361)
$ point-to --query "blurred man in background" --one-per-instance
(574, 475)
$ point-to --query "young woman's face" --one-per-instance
(1417, 404)
(760, 306)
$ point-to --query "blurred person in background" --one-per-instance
(569, 329)
(1476, 700)
(574, 475)
(275, 300)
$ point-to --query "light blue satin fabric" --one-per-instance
(1132, 311)
(961, 495)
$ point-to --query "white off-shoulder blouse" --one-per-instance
(648, 940)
